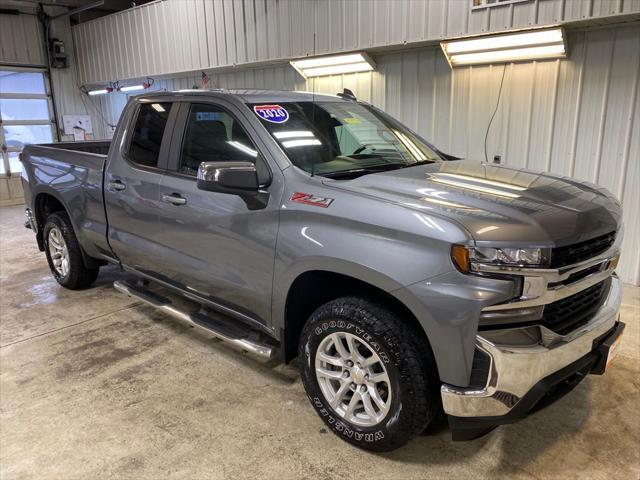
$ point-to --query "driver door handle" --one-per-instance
(175, 199)
(117, 185)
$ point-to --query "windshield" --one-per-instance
(342, 139)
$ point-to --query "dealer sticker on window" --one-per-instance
(272, 113)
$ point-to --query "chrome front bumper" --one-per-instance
(519, 358)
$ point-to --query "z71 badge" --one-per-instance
(310, 199)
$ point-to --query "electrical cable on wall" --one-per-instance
(84, 93)
(486, 136)
(95, 108)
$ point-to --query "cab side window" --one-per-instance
(213, 135)
(147, 133)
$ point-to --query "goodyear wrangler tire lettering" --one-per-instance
(340, 342)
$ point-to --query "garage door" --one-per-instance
(25, 117)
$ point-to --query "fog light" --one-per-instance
(513, 315)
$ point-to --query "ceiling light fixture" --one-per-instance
(101, 91)
(132, 88)
(509, 47)
(334, 65)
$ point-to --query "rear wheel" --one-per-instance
(368, 377)
(64, 254)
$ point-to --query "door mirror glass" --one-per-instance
(237, 178)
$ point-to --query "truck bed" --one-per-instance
(71, 173)
(100, 147)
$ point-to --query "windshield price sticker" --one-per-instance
(272, 113)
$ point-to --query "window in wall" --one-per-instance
(148, 132)
(25, 115)
(212, 135)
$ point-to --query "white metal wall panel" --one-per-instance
(21, 40)
(172, 36)
(578, 117)
(630, 6)
(629, 193)
(69, 99)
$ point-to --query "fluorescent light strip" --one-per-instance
(333, 65)
(530, 53)
(301, 143)
(98, 92)
(508, 47)
(131, 88)
(505, 41)
(328, 61)
(157, 107)
(293, 134)
(338, 69)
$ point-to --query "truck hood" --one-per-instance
(498, 204)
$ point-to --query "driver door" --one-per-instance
(216, 245)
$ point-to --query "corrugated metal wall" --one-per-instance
(21, 43)
(69, 99)
(578, 117)
(172, 36)
(21, 40)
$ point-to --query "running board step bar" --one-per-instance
(238, 336)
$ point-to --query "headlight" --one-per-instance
(465, 258)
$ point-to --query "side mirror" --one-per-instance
(236, 178)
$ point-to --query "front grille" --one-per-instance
(574, 277)
(564, 316)
(578, 252)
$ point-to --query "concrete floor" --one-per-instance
(96, 385)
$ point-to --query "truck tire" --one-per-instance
(64, 254)
(372, 381)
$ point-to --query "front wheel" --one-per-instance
(368, 377)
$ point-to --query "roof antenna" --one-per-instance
(347, 95)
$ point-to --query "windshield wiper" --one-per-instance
(381, 167)
(419, 162)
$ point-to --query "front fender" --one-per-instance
(285, 279)
(399, 251)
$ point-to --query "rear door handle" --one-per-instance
(174, 198)
(117, 185)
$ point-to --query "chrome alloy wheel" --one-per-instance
(58, 252)
(353, 379)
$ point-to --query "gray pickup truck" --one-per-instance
(405, 281)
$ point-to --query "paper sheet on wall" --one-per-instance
(78, 135)
(75, 122)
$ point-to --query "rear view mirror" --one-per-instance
(236, 178)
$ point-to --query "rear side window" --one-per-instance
(213, 135)
(147, 133)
